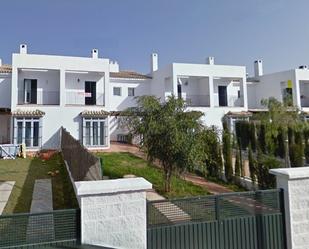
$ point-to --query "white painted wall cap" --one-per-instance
(291, 173)
(111, 186)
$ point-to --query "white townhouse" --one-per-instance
(291, 86)
(212, 89)
(39, 94)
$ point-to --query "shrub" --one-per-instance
(264, 164)
(252, 165)
(296, 155)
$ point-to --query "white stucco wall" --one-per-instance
(113, 212)
(295, 183)
(119, 103)
(270, 86)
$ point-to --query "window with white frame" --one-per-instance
(28, 131)
(131, 91)
(94, 132)
(117, 91)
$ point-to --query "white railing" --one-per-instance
(43, 98)
(197, 100)
(77, 97)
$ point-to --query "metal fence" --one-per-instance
(60, 227)
(83, 165)
(230, 221)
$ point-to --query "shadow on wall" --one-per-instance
(53, 142)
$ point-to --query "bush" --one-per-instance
(264, 164)
(296, 155)
(252, 165)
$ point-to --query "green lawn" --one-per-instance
(25, 171)
(116, 165)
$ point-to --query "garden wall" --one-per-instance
(82, 164)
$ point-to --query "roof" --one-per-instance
(129, 75)
(96, 114)
(28, 113)
(121, 74)
(239, 114)
(6, 69)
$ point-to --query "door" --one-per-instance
(90, 93)
(222, 91)
(179, 91)
(30, 90)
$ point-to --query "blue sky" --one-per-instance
(234, 31)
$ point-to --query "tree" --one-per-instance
(167, 133)
(210, 151)
(279, 116)
(265, 163)
(227, 152)
(252, 165)
(237, 164)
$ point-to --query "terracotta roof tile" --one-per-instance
(28, 113)
(92, 113)
(6, 69)
(129, 75)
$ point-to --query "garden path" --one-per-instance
(5, 191)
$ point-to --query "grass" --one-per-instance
(25, 171)
(116, 165)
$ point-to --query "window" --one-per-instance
(30, 91)
(131, 91)
(117, 91)
(27, 131)
(94, 130)
(238, 94)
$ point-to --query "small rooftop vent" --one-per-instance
(95, 53)
(305, 67)
(23, 48)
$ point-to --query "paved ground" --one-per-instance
(42, 197)
(212, 187)
(5, 191)
(41, 227)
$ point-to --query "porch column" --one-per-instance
(295, 183)
(211, 91)
(243, 82)
(113, 212)
(62, 88)
(297, 94)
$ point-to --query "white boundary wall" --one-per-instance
(113, 212)
(295, 183)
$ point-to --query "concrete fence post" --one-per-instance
(295, 183)
(113, 212)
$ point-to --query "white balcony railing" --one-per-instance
(42, 98)
(197, 100)
(74, 97)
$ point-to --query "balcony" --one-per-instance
(197, 100)
(79, 97)
(38, 97)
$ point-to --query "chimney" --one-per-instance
(258, 68)
(95, 53)
(23, 49)
(210, 60)
(154, 62)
